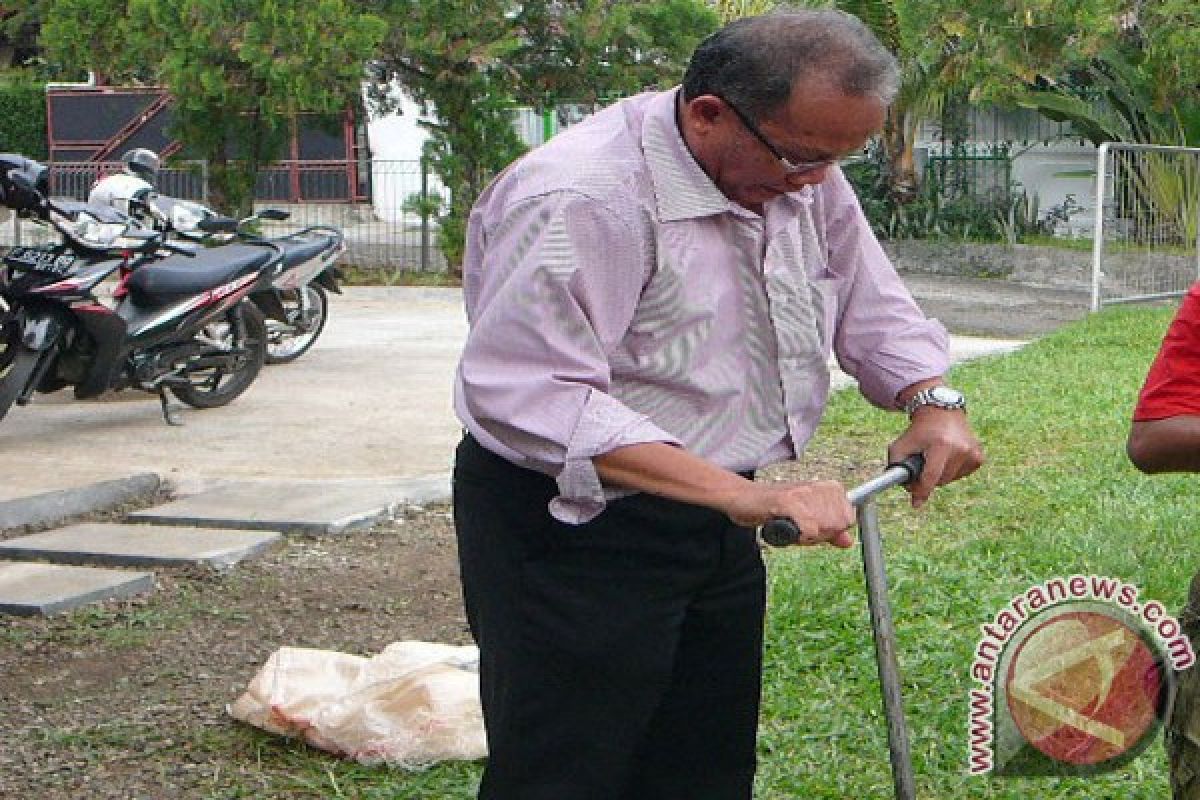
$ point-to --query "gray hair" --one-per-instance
(754, 62)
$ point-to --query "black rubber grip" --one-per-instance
(914, 464)
(782, 532)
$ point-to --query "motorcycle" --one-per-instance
(296, 304)
(180, 322)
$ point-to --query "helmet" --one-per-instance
(142, 162)
(26, 192)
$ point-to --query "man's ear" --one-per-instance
(704, 112)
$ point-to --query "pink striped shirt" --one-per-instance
(615, 296)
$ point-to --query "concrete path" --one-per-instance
(139, 545)
(335, 441)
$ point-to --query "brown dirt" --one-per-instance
(120, 700)
(127, 699)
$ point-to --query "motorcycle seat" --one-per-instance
(297, 251)
(164, 281)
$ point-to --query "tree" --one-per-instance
(471, 62)
(1119, 70)
(729, 10)
(19, 26)
(238, 70)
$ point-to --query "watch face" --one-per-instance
(944, 394)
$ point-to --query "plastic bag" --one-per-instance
(412, 705)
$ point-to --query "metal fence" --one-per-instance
(1146, 241)
(389, 220)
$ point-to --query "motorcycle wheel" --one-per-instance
(18, 364)
(287, 342)
(241, 328)
(9, 336)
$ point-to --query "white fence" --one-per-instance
(376, 204)
(1146, 241)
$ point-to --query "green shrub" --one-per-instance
(23, 109)
(951, 204)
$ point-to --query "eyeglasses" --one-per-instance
(789, 166)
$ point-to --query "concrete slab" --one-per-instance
(31, 589)
(140, 545)
(21, 505)
(315, 508)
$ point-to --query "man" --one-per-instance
(1165, 437)
(653, 296)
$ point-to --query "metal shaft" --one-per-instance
(885, 647)
(783, 531)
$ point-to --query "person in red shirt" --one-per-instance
(1165, 437)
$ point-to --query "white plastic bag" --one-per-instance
(414, 704)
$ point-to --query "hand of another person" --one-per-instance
(818, 508)
(945, 439)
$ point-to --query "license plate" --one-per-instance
(36, 260)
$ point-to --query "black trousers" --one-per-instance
(620, 659)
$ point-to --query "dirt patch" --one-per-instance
(127, 699)
(123, 700)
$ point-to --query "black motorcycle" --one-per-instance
(296, 303)
(180, 321)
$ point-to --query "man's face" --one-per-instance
(818, 126)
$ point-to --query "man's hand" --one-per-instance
(950, 448)
(819, 509)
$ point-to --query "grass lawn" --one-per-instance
(1057, 497)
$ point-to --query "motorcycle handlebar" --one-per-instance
(781, 531)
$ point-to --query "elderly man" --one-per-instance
(652, 297)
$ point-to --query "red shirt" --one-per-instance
(1172, 385)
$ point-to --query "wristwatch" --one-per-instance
(938, 396)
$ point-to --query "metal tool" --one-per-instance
(781, 531)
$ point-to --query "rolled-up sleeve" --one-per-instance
(555, 285)
(882, 337)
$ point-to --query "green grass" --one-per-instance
(1057, 497)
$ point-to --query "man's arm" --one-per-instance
(819, 508)
(1165, 445)
(888, 344)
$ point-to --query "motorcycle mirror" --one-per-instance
(275, 214)
(218, 225)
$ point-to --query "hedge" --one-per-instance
(23, 109)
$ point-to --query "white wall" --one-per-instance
(396, 140)
(1051, 172)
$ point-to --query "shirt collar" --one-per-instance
(683, 190)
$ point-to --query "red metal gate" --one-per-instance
(98, 124)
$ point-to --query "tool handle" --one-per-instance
(781, 531)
